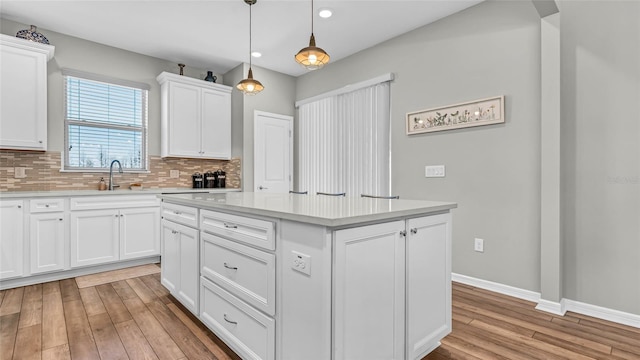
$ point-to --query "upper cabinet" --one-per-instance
(23, 93)
(196, 118)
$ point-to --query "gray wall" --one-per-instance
(601, 152)
(492, 172)
(278, 97)
(79, 54)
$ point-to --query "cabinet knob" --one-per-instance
(230, 267)
(19, 206)
(177, 212)
(60, 219)
(46, 205)
(414, 231)
(403, 233)
(39, 141)
(229, 321)
(116, 215)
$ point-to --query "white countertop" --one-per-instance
(64, 193)
(329, 211)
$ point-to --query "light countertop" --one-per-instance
(332, 211)
(65, 193)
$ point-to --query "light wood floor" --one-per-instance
(137, 319)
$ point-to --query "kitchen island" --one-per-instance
(288, 276)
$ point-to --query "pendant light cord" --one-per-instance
(250, 21)
(311, 17)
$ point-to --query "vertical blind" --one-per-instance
(344, 143)
(104, 121)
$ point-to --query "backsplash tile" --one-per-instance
(43, 173)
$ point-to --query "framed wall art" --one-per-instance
(473, 113)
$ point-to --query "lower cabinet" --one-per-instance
(180, 263)
(47, 239)
(116, 230)
(390, 278)
(369, 292)
(94, 237)
(11, 238)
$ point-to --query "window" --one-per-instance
(105, 120)
(344, 140)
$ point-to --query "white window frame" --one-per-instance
(65, 166)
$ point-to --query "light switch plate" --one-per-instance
(434, 171)
(19, 172)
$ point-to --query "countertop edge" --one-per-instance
(76, 193)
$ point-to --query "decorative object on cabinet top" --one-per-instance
(210, 77)
(167, 76)
(181, 69)
(32, 34)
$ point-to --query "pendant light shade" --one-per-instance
(250, 86)
(312, 57)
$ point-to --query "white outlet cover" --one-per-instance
(301, 262)
(478, 245)
(434, 171)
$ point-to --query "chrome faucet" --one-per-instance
(111, 184)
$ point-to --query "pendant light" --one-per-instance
(312, 57)
(250, 86)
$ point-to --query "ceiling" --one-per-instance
(214, 34)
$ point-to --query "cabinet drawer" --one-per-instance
(245, 272)
(46, 205)
(256, 232)
(113, 202)
(180, 214)
(248, 332)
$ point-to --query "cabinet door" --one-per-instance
(369, 292)
(94, 237)
(11, 243)
(216, 124)
(48, 242)
(188, 293)
(428, 283)
(23, 91)
(170, 269)
(184, 121)
(139, 232)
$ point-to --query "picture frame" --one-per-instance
(468, 114)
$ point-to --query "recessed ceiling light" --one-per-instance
(325, 13)
(256, 54)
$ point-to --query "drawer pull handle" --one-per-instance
(46, 205)
(230, 226)
(230, 267)
(229, 321)
(177, 212)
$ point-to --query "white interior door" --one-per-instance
(272, 149)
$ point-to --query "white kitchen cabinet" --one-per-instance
(428, 283)
(47, 235)
(195, 118)
(11, 238)
(95, 237)
(23, 93)
(139, 232)
(369, 292)
(180, 263)
(114, 228)
(391, 278)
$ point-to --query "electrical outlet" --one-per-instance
(434, 171)
(478, 245)
(19, 172)
(174, 174)
(301, 262)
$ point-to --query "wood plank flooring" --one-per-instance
(136, 318)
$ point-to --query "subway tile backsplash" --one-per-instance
(42, 170)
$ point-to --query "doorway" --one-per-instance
(272, 152)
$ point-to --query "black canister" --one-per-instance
(221, 179)
(198, 181)
(210, 180)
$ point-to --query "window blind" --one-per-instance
(344, 142)
(104, 122)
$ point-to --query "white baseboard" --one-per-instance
(497, 287)
(557, 308)
(552, 307)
